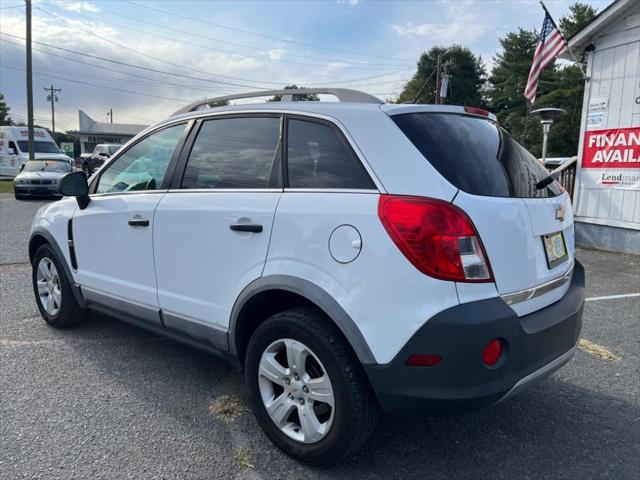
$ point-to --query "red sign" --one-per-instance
(614, 148)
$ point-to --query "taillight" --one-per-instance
(436, 237)
(476, 111)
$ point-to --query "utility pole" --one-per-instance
(438, 78)
(32, 154)
(111, 115)
(52, 97)
(439, 74)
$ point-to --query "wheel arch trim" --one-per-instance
(313, 293)
(41, 232)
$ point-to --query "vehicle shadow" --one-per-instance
(560, 428)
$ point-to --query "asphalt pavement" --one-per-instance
(108, 400)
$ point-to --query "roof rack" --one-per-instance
(288, 95)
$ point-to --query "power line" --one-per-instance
(272, 37)
(106, 87)
(133, 50)
(155, 70)
(154, 81)
(206, 47)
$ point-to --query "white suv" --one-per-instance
(348, 256)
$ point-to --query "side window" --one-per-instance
(143, 166)
(13, 145)
(235, 153)
(318, 157)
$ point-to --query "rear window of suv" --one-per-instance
(476, 155)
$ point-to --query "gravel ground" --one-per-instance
(107, 400)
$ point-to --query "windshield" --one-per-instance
(47, 166)
(476, 155)
(40, 147)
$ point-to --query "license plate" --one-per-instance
(555, 248)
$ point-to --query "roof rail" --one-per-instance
(343, 94)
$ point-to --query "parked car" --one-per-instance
(14, 149)
(40, 178)
(89, 163)
(347, 256)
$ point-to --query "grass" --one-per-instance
(242, 458)
(6, 186)
(227, 408)
(597, 350)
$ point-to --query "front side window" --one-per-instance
(235, 153)
(144, 165)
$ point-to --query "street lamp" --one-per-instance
(547, 117)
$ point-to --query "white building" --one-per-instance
(607, 197)
(92, 132)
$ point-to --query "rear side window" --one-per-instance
(234, 153)
(318, 157)
(476, 155)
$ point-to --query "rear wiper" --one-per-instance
(545, 182)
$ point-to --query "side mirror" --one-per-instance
(75, 185)
(103, 154)
(11, 151)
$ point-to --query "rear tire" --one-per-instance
(52, 288)
(338, 430)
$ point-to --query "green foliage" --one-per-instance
(467, 75)
(218, 103)
(561, 87)
(304, 97)
(5, 119)
(581, 15)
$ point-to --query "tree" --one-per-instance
(581, 15)
(466, 77)
(561, 87)
(218, 103)
(5, 119)
(303, 97)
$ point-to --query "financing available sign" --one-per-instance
(615, 153)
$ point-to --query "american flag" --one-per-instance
(551, 43)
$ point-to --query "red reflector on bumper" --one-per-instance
(492, 352)
(424, 360)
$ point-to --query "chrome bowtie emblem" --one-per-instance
(560, 213)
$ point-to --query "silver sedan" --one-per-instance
(40, 178)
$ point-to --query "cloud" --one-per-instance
(275, 53)
(458, 31)
(79, 7)
(353, 3)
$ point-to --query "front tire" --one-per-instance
(307, 387)
(52, 288)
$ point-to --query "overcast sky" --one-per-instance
(218, 47)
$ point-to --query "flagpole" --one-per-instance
(578, 64)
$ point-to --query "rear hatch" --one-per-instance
(527, 231)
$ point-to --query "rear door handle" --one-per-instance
(246, 227)
(138, 222)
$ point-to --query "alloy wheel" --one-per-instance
(296, 391)
(48, 282)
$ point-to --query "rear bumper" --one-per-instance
(537, 345)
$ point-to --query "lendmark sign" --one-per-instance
(615, 148)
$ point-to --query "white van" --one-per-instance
(14, 148)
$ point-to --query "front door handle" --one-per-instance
(138, 222)
(246, 227)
